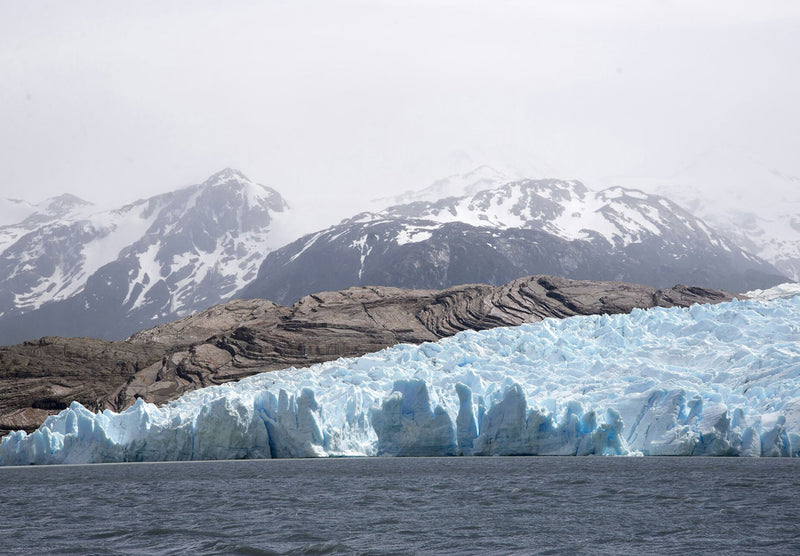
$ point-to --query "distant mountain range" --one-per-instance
(523, 227)
(67, 271)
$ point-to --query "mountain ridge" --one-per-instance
(524, 227)
(113, 272)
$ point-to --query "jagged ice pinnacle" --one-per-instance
(708, 380)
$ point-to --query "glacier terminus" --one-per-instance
(713, 380)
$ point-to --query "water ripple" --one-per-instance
(384, 505)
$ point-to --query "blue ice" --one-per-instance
(719, 380)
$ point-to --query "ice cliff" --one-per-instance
(708, 380)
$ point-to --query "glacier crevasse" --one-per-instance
(708, 380)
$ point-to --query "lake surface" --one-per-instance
(406, 505)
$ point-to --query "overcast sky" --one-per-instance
(115, 101)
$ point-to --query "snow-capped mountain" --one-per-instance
(14, 210)
(523, 227)
(748, 200)
(110, 273)
(456, 185)
(566, 209)
(18, 217)
(19, 211)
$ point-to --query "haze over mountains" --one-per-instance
(71, 271)
(760, 209)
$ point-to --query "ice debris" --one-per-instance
(708, 380)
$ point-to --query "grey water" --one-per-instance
(524, 505)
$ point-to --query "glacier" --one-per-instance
(713, 380)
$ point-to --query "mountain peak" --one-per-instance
(64, 203)
(256, 194)
(226, 175)
(154, 259)
(480, 178)
(62, 206)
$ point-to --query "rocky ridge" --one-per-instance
(243, 337)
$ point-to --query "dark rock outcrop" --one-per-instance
(243, 337)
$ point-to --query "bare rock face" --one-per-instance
(243, 337)
(41, 378)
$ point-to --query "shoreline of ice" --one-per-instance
(708, 380)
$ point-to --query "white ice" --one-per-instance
(708, 380)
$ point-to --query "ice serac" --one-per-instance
(711, 380)
(407, 426)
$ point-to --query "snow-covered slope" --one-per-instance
(17, 211)
(152, 260)
(53, 260)
(748, 200)
(566, 209)
(14, 210)
(523, 227)
(476, 180)
(204, 243)
(18, 217)
(708, 380)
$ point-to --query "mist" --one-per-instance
(334, 104)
